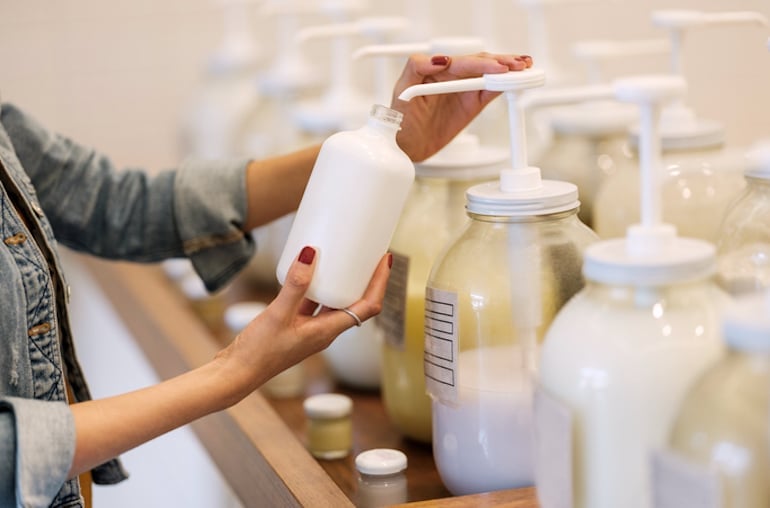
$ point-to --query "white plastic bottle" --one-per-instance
(488, 299)
(620, 356)
(350, 208)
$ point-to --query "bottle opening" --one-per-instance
(386, 114)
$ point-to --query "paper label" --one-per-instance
(553, 451)
(441, 344)
(680, 483)
(392, 318)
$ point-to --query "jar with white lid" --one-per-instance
(620, 356)
(381, 478)
(286, 384)
(329, 426)
(434, 215)
(743, 248)
(719, 445)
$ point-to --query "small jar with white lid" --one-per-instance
(286, 384)
(381, 478)
(330, 429)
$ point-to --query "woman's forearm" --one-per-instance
(275, 186)
(108, 427)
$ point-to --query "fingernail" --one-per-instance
(527, 58)
(390, 260)
(440, 60)
(307, 255)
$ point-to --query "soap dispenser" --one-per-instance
(703, 175)
(620, 356)
(590, 137)
(226, 92)
(433, 215)
(489, 298)
(718, 452)
(743, 248)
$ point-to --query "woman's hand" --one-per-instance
(430, 122)
(290, 329)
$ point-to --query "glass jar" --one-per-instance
(434, 214)
(615, 366)
(330, 429)
(743, 248)
(723, 427)
(489, 300)
(698, 186)
(381, 478)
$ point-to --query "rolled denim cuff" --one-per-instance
(210, 206)
(38, 445)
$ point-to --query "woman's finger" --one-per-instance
(291, 297)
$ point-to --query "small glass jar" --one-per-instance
(330, 429)
(723, 426)
(381, 478)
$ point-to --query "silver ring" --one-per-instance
(353, 315)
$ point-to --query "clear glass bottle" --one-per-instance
(743, 248)
(700, 181)
(434, 215)
(723, 426)
(490, 298)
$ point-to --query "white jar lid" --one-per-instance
(551, 196)
(746, 323)
(464, 158)
(381, 461)
(758, 158)
(238, 315)
(327, 405)
(670, 260)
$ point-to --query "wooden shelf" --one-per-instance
(259, 443)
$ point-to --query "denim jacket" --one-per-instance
(53, 190)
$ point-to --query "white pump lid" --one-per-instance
(520, 190)
(601, 115)
(381, 461)
(342, 106)
(651, 254)
(746, 323)
(758, 158)
(680, 128)
(464, 157)
(238, 49)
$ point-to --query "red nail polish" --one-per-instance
(440, 60)
(307, 255)
(390, 260)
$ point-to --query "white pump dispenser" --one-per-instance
(488, 299)
(620, 356)
(342, 105)
(226, 93)
(704, 176)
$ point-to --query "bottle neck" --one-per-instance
(551, 217)
(385, 120)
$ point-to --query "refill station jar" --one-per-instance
(720, 442)
(488, 300)
(620, 356)
(743, 248)
(329, 426)
(434, 215)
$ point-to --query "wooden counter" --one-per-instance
(259, 444)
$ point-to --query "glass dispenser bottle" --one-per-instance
(488, 300)
(433, 215)
(720, 442)
(702, 174)
(619, 357)
(743, 248)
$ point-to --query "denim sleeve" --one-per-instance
(37, 445)
(197, 210)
